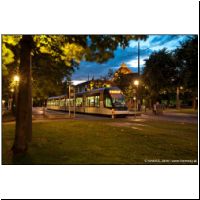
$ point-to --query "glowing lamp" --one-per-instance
(136, 82)
(16, 78)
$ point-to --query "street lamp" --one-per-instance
(178, 96)
(136, 83)
(16, 80)
(134, 98)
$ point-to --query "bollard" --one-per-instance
(44, 112)
(113, 113)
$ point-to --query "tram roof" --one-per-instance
(99, 89)
(57, 97)
(91, 91)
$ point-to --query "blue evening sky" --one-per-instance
(128, 56)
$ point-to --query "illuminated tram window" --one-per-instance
(97, 101)
(62, 102)
(92, 101)
(108, 102)
(79, 101)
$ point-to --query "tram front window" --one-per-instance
(118, 100)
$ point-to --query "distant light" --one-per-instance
(181, 87)
(12, 90)
(134, 98)
(16, 78)
(136, 82)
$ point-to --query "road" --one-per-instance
(38, 113)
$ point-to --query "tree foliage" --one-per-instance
(52, 58)
(187, 64)
(159, 73)
(165, 71)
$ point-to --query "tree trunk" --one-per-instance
(23, 130)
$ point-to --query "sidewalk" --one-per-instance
(172, 116)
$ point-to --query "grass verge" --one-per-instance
(106, 142)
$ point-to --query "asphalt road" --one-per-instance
(38, 113)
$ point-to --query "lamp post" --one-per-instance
(139, 49)
(136, 83)
(69, 100)
(138, 58)
(177, 96)
(134, 98)
(16, 80)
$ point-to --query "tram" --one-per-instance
(103, 101)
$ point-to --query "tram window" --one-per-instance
(67, 102)
(79, 101)
(96, 101)
(71, 102)
(92, 101)
(62, 102)
(118, 100)
(108, 102)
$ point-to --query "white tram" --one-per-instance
(104, 101)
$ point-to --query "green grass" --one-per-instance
(103, 142)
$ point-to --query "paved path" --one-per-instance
(176, 117)
(38, 116)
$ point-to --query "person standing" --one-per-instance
(154, 109)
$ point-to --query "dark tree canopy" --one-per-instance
(159, 73)
(54, 57)
(187, 64)
(44, 61)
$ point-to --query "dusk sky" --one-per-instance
(128, 56)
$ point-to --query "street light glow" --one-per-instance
(16, 78)
(136, 82)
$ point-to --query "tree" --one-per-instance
(23, 131)
(68, 50)
(159, 74)
(48, 77)
(187, 66)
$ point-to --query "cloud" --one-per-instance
(170, 42)
(128, 56)
(162, 39)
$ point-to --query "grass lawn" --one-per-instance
(105, 142)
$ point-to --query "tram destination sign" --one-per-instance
(115, 92)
